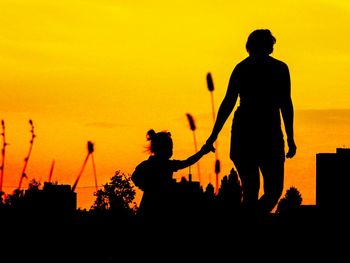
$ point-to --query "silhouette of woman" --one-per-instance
(263, 86)
(154, 176)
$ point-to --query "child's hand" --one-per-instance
(206, 148)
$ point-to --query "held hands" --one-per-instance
(292, 149)
(211, 140)
(206, 148)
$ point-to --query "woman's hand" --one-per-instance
(292, 149)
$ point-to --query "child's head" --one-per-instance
(161, 143)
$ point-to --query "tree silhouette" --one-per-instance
(117, 196)
(230, 192)
(210, 201)
(290, 202)
(15, 200)
(2, 195)
(34, 184)
(209, 192)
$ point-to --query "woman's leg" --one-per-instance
(249, 175)
(272, 171)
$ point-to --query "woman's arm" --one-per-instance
(287, 111)
(225, 109)
(288, 119)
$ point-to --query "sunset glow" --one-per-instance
(107, 71)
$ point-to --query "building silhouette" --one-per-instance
(332, 181)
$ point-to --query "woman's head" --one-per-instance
(260, 42)
(161, 143)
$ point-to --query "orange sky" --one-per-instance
(107, 71)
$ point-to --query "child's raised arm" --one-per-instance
(206, 148)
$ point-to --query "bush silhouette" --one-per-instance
(230, 193)
(117, 196)
(290, 202)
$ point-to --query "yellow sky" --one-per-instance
(107, 71)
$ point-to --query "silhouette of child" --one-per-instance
(154, 176)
